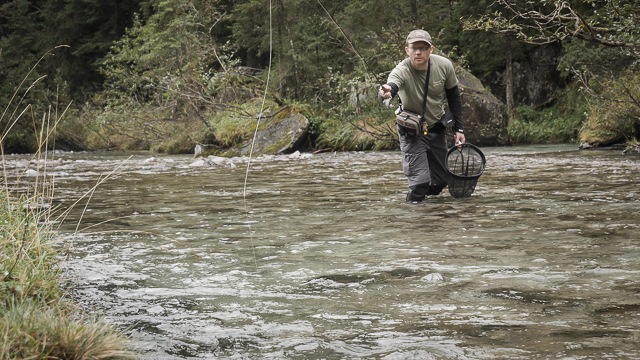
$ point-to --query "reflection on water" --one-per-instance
(322, 259)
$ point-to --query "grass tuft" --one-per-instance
(30, 331)
(36, 321)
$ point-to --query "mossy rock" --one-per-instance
(281, 134)
(609, 125)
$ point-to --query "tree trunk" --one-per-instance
(509, 81)
(414, 13)
(292, 48)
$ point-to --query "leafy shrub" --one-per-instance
(557, 124)
(614, 114)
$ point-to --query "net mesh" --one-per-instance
(465, 164)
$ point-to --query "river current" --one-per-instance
(319, 257)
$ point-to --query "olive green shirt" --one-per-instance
(410, 84)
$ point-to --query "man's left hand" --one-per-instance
(458, 138)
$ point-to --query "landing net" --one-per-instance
(465, 164)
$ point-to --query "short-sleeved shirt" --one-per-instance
(411, 86)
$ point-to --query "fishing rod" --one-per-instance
(364, 61)
(368, 71)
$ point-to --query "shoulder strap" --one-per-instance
(426, 89)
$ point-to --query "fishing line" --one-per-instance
(255, 134)
(364, 61)
(367, 68)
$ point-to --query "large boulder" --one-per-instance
(279, 134)
(536, 79)
(485, 116)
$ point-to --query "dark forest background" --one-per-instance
(167, 74)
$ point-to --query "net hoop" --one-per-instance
(464, 163)
(465, 174)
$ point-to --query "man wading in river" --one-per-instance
(424, 153)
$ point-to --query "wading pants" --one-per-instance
(423, 162)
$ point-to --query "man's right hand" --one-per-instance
(384, 91)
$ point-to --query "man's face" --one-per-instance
(419, 53)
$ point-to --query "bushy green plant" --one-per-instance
(546, 126)
(35, 321)
(556, 124)
(29, 267)
(31, 331)
(372, 128)
(167, 78)
(614, 113)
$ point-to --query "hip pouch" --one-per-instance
(409, 123)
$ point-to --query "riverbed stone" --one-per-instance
(433, 277)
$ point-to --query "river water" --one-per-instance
(321, 258)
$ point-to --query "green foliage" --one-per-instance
(167, 77)
(35, 322)
(372, 128)
(28, 267)
(601, 40)
(302, 42)
(163, 60)
(531, 126)
(614, 114)
(31, 332)
(609, 76)
(48, 56)
(180, 64)
(86, 29)
(557, 124)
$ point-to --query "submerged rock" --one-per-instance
(632, 149)
(433, 277)
(214, 161)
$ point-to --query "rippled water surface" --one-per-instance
(321, 258)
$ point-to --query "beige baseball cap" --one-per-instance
(419, 35)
